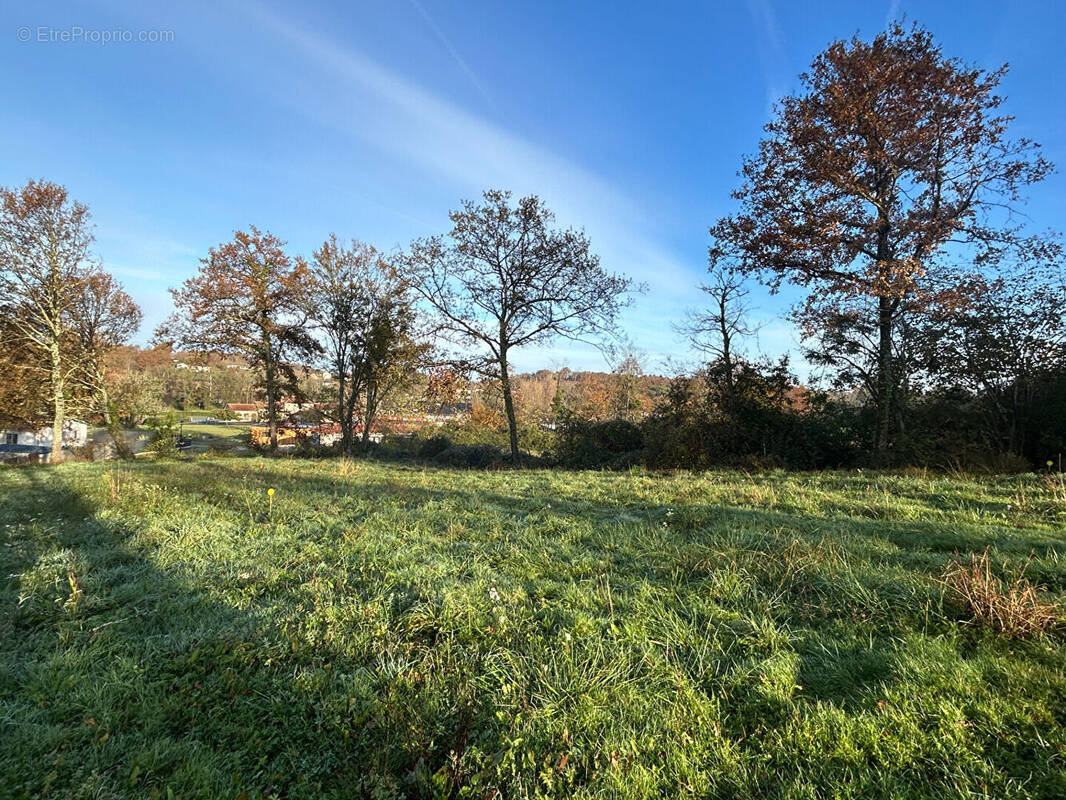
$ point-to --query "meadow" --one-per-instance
(218, 438)
(173, 629)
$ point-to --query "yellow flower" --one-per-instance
(270, 492)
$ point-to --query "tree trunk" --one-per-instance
(343, 418)
(508, 406)
(369, 412)
(884, 381)
(272, 407)
(727, 355)
(60, 402)
(122, 447)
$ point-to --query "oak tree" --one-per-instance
(249, 298)
(891, 160)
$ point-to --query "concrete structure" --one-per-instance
(29, 444)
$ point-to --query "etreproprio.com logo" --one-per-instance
(76, 34)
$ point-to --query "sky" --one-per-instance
(179, 123)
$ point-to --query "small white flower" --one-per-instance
(567, 636)
(493, 594)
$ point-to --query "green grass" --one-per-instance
(219, 438)
(392, 631)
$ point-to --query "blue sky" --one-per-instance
(373, 119)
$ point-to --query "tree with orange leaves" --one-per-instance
(249, 299)
(104, 317)
(892, 160)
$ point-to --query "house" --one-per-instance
(28, 443)
(326, 435)
(290, 405)
(244, 412)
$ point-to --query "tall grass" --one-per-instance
(1013, 607)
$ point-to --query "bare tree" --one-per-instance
(718, 330)
(504, 278)
(44, 257)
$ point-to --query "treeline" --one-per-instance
(886, 193)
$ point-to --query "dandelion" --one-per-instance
(270, 501)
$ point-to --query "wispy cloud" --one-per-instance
(471, 153)
(446, 42)
(893, 13)
(144, 257)
(770, 43)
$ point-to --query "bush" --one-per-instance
(584, 444)
(471, 456)
(758, 421)
(164, 437)
(430, 448)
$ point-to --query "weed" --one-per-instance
(1013, 607)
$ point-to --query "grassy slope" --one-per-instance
(391, 631)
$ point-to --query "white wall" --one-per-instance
(75, 434)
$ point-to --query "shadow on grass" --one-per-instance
(118, 677)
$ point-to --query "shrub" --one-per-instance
(1012, 609)
(429, 448)
(585, 444)
(164, 437)
(470, 456)
(755, 420)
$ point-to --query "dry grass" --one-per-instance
(346, 467)
(1012, 608)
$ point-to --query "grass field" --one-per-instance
(171, 630)
(216, 437)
